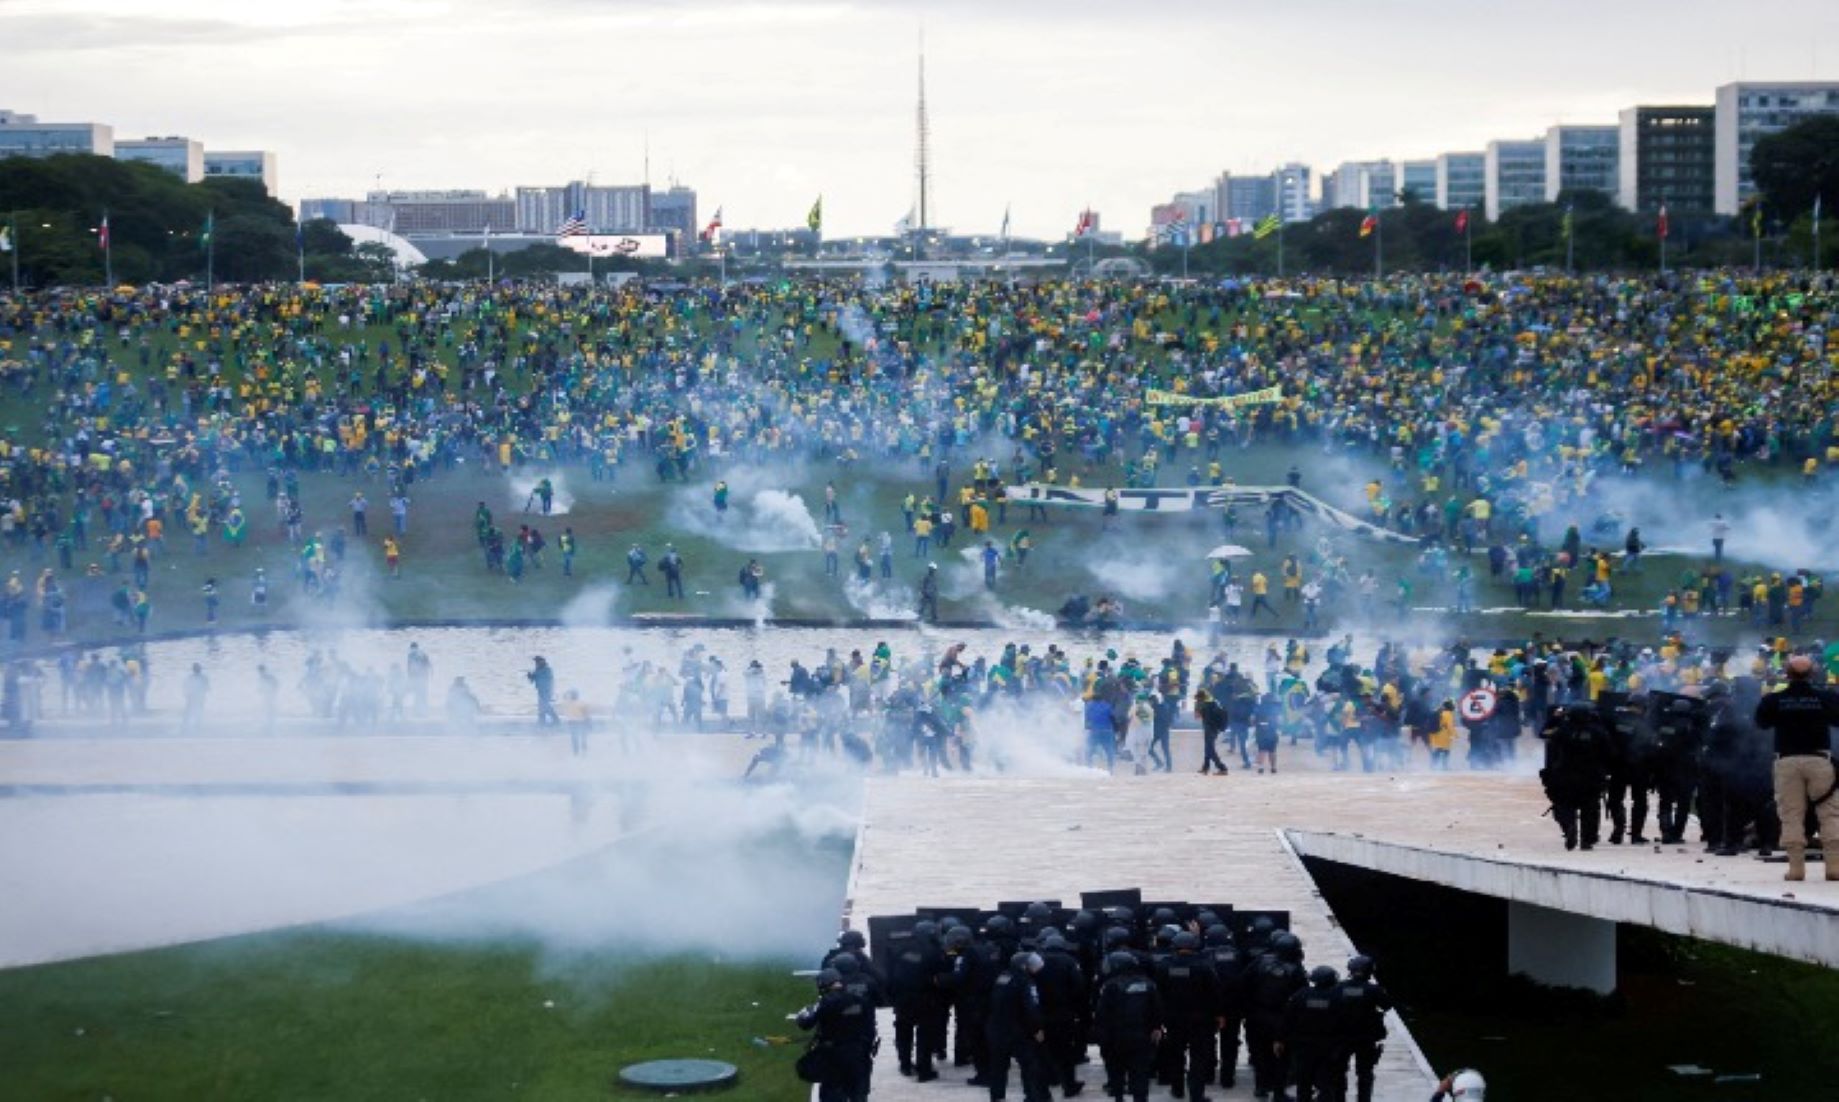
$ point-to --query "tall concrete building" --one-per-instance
(1749, 110)
(1582, 158)
(1364, 185)
(1293, 188)
(182, 157)
(607, 209)
(342, 211)
(242, 164)
(1515, 176)
(1419, 178)
(1668, 154)
(24, 136)
(1248, 198)
(1462, 180)
(674, 211)
(457, 211)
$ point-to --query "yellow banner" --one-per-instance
(1263, 397)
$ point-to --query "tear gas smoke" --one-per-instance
(523, 499)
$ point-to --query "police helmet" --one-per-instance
(1054, 942)
(1468, 1085)
(1116, 963)
(948, 924)
(1046, 932)
(1167, 933)
(958, 937)
(1163, 917)
(926, 929)
(1123, 916)
(1218, 935)
(999, 926)
(1186, 941)
(1262, 927)
(1287, 946)
(1322, 976)
(1026, 961)
(1115, 936)
(1360, 967)
(1038, 913)
(828, 978)
(1085, 922)
(846, 964)
(1206, 919)
(850, 939)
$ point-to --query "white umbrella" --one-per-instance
(1229, 551)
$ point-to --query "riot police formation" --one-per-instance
(1630, 763)
(1576, 772)
(842, 1053)
(1164, 1004)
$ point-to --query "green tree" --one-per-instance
(1793, 166)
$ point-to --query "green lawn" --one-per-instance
(322, 1015)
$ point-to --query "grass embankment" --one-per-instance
(321, 1015)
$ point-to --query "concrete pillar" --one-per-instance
(1561, 949)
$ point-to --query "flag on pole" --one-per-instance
(1816, 217)
(1660, 224)
(575, 225)
(102, 233)
(715, 224)
(1369, 224)
(1086, 221)
(300, 236)
(1005, 233)
(204, 237)
(815, 220)
(485, 239)
(1756, 221)
(1266, 226)
(6, 239)
(1462, 221)
(1564, 226)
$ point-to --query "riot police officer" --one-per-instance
(973, 972)
(1277, 976)
(1361, 1004)
(859, 981)
(1630, 752)
(1063, 997)
(841, 1058)
(1129, 1018)
(1310, 1037)
(919, 1001)
(1017, 1029)
(1191, 1002)
(1230, 965)
(1576, 743)
(1679, 726)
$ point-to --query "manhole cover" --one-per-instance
(680, 1075)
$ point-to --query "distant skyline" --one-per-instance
(1045, 107)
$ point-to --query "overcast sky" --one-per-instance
(1043, 104)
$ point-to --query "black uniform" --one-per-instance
(1272, 982)
(1361, 1006)
(1311, 1036)
(1630, 760)
(844, 1044)
(1129, 1016)
(1190, 1000)
(919, 1005)
(1576, 746)
(973, 973)
(1015, 1030)
(1679, 724)
(1230, 967)
(1063, 994)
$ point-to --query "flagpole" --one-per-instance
(1280, 222)
(1756, 238)
(300, 252)
(13, 241)
(1570, 243)
(1816, 233)
(210, 251)
(1664, 227)
(1468, 244)
(1379, 234)
(108, 251)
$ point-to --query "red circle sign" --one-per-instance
(1478, 704)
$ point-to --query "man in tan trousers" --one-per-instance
(1802, 717)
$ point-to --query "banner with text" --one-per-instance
(1230, 401)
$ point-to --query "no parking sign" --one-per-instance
(1477, 704)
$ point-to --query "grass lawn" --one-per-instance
(1156, 564)
(318, 1015)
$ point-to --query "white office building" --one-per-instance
(1749, 110)
(182, 157)
(1364, 185)
(1293, 185)
(1462, 180)
(1582, 158)
(242, 164)
(1514, 176)
(24, 136)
